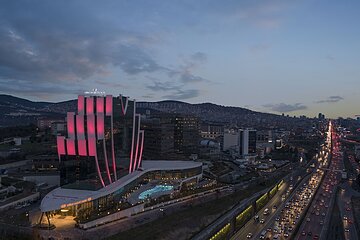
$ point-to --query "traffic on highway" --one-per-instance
(282, 217)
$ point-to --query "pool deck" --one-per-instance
(134, 198)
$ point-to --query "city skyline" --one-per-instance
(296, 58)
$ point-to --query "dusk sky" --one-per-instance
(292, 57)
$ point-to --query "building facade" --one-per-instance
(240, 141)
(159, 138)
(100, 162)
(88, 158)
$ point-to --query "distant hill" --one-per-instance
(217, 113)
(18, 111)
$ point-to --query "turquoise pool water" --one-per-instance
(156, 189)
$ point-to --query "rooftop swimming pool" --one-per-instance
(156, 189)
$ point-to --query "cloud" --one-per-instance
(180, 79)
(284, 108)
(73, 45)
(164, 86)
(183, 94)
(45, 46)
(174, 90)
(187, 77)
(186, 69)
(134, 60)
(199, 57)
(46, 91)
(53, 56)
(109, 84)
(331, 99)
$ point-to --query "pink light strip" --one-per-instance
(81, 103)
(90, 126)
(80, 131)
(70, 125)
(132, 141)
(89, 105)
(100, 105)
(92, 152)
(70, 146)
(112, 148)
(60, 142)
(92, 147)
(124, 108)
(109, 105)
(137, 143)
(82, 147)
(141, 147)
(100, 126)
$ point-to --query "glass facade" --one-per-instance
(117, 200)
(78, 172)
(103, 138)
(252, 141)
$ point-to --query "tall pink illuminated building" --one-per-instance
(102, 175)
(104, 142)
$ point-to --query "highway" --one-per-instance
(255, 227)
(344, 202)
(346, 213)
(282, 223)
(317, 217)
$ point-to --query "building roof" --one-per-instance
(63, 197)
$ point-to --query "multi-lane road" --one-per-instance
(289, 206)
(306, 212)
(252, 227)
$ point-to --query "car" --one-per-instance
(275, 207)
(347, 230)
(266, 211)
(321, 222)
(323, 214)
(303, 233)
(316, 237)
(263, 234)
(308, 219)
(309, 233)
(347, 209)
(250, 235)
(262, 221)
(345, 217)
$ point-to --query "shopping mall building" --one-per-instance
(101, 167)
